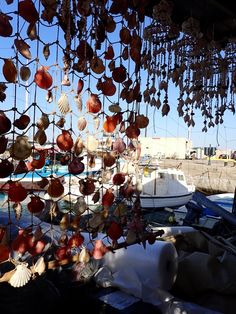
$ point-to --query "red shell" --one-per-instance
(93, 104)
(86, 187)
(118, 178)
(5, 26)
(132, 131)
(55, 188)
(3, 144)
(119, 74)
(16, 193)
(114, 231)
(65, 141)
(27, 10)
(36, 205)
(110, 124)
(109, 54)
(76, 240)
(62, 253)
(108, 198)
(5, 123)
(6, 168)
(84, 51)
(109, 159)
(4, 252)
(43, 78)
(76, 166)
(80, 86)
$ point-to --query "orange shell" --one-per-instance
(43, 78)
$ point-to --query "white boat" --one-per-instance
(164, 188)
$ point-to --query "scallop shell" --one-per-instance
(21, 276)
(80, 206)
(25, 73)
(63, 104)
(40, 137)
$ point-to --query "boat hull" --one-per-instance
(152, 202)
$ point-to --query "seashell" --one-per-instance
(108, 159)
(106, 176)
(80, 206)
(63, 104)
(65, 222)
(93, 104)
(108, 198)
(109, 124)
(119, 74)
(141, 121)
(109, 142)
(115, 108)
(16, 192)
(9, 71)
(21, 168)
(109, 54)
(43, 122)
(25, 73)
(96, 123)
(80, 86)
(97, 65)
(3, 144)
(49, 96)
(43, 78)
(76, 167)
(21, 276)
(5, 123)
(65, 81)
(79, 146)
(23, 48)
(119, 145)
(27, 11)
(55, 188)
(86, 186)
(91, 143)
(82, 123)
(84, 256)
(32, 31)
(17, 207)
(40, 137)
(6, 168)
(84, 51)
(21, 149)
(65, 141)
(39, 267)
(60, 123)
(5, 26)
(46, 51)
(22, 122)
(78, 101)
(96, 220)
(132, 131)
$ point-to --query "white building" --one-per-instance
(166, 147)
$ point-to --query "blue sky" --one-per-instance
(223, 136)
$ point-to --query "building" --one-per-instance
(166, 147)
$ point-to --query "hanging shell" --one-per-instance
(25, 73)
(21, 276)
(79, 146)
(82, 123)
(96, 123)
(84, 256)
(43, 122)
(23, 48)
(65, 81)
(46, 51)
(21, 149)
(9, 71)
(78, 101)
(40, 137)
(39, 266)
(17, 207)
(80, 206)
(115, 108)
(32, 31)
(65, 222)
(91, 143)
(63, 104)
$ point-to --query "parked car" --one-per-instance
(224, 156)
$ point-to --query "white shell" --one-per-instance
(21, 276)
(78, 101)
(39, 266)
(82, 123)
(91, 143)
(63, 104)
(84, 256)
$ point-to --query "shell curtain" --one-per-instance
(76, 80)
